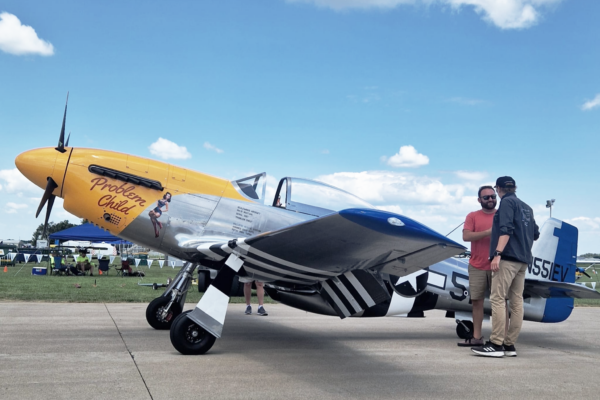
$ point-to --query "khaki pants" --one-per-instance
(507, 283)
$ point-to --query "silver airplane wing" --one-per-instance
(342, 253)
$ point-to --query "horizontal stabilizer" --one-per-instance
(552, 289)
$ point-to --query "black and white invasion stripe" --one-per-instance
(353, 292)
(211, 309)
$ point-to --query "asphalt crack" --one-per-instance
(129, 351)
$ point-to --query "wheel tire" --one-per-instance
(154, 310)
(462, 332)
(237, 288)
(189, 338)
(203, 280)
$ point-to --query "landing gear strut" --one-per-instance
(162, 311)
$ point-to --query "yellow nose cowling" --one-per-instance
(40, 164)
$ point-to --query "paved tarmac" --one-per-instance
(108, 351)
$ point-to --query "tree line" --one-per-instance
(590, 255)
(53, 227)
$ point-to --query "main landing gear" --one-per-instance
(162, 311)
(189, 338)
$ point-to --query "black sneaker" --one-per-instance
(489, 349)
(510, 351)
(262, 311)
(249, 310)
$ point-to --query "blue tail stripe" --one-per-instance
(559, 309)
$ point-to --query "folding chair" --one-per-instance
(103, 266)
(124, 270)
(59, 268)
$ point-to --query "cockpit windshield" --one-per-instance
(315, 198)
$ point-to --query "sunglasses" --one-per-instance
(492, 196)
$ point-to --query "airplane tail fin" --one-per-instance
(554, 253)
(554, 260)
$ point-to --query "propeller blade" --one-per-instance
(68, 137)
(50, 186)
(61, 138)
(48, 211)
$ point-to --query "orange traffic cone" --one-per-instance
(100, 271)
(6, 268)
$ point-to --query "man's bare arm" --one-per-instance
(470, 236)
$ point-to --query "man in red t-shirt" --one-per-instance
(477, 230)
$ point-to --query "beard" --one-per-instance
(488, 205)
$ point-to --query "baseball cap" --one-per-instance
(505, 182)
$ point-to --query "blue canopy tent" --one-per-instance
(89, 233)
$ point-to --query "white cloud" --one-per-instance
(425, 199)
(13, 208)
(391, 208)
(166, 150)
(505, 14)
(19, 39)
(393, 188)
(476, 176)
(209, 146)
(406, 157)
(588, 105)
(14, 182)
(585, 223)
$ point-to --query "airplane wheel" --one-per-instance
(189, 338)
(155, 309)
(462, 332)
(203, 280)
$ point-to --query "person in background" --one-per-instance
(83, 263)
(260, 293)
(62, 268)
(477, 230)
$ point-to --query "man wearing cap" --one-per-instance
(513, 232)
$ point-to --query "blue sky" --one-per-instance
(410, 104)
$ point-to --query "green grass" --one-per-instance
(19, 285)
(595, 277)
(587, 303)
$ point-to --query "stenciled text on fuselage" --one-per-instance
(112, 201)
